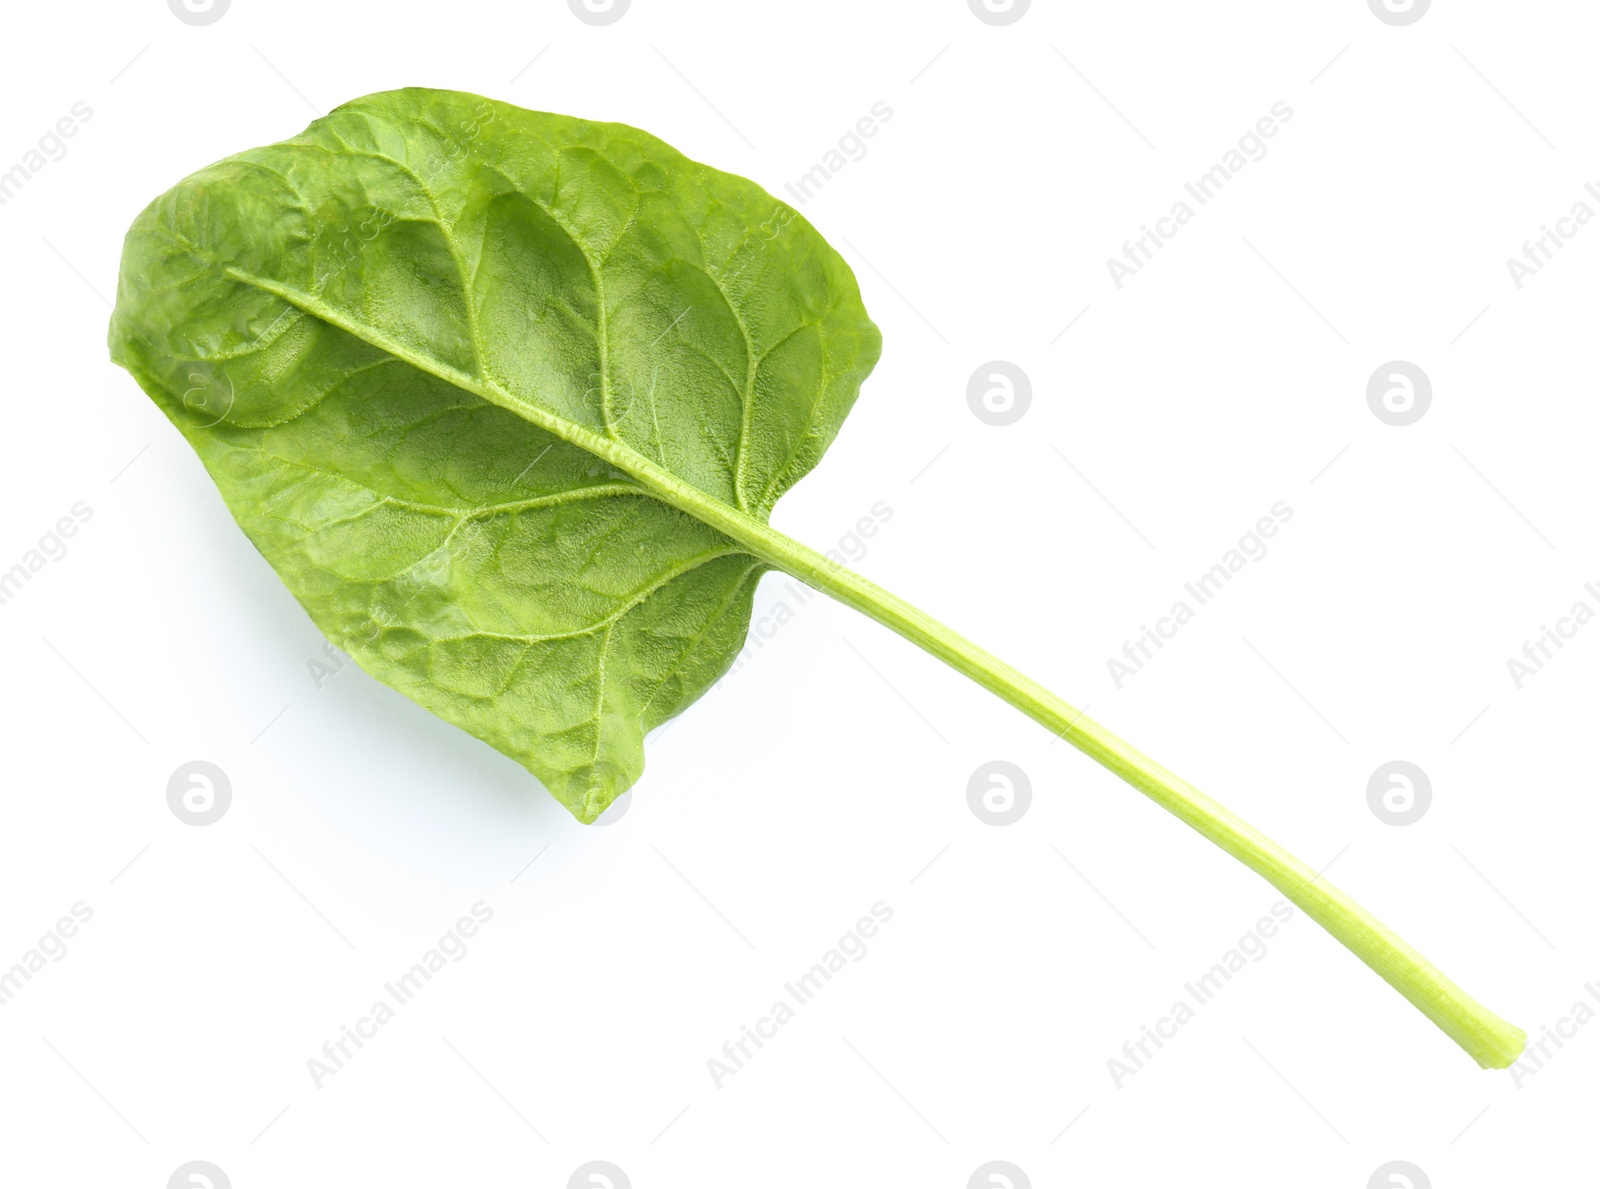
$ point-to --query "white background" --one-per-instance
(830, 770)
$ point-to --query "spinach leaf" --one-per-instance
(506, 399)
(423, 348)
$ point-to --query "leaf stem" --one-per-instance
(1493, 1042)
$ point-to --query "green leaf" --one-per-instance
(506, 399)
(389, 340)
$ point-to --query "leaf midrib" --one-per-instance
(610, 450)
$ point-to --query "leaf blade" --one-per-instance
(363, 342)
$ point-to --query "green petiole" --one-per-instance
(1490, 1040)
